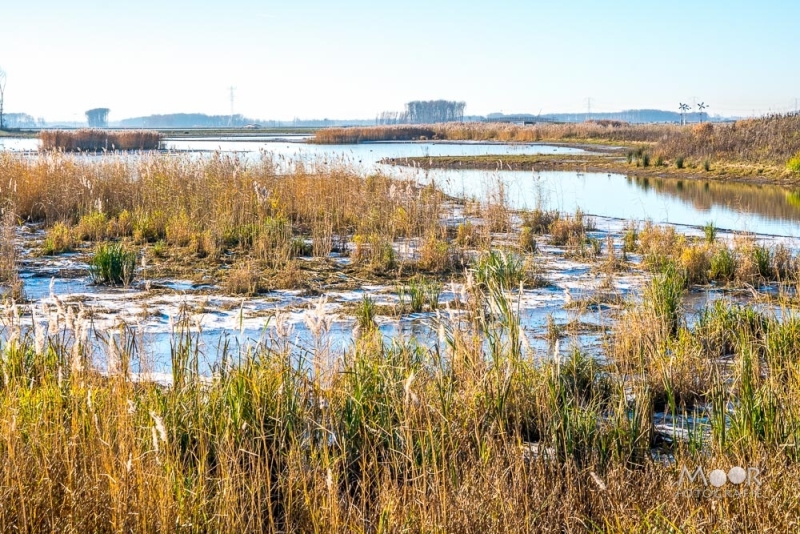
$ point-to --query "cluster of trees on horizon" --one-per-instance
(425, 112)
(97, 117)
(186, 120)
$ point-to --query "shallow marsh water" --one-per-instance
(218, 318)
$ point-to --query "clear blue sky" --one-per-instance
(353, 59)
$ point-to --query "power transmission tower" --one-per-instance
(233, 97)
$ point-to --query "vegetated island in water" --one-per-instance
(93, 140)
(765, 150)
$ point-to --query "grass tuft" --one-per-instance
(113, 263)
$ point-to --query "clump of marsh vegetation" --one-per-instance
(365, 314)
(741, 261)
(90, 140)
(420, 294)
(527, 239)
(59, 239)
(243, 279)
(794, 163)
(113, 263)
(539, 220)
(507, 271)
(436, 255)
(571, 231)
(501, 268)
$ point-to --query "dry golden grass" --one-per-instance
(472, 434)
(177, 199)
(243, 279)
(772, 140)
(480, 131)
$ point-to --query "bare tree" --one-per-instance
(2, 95)
(97, 117)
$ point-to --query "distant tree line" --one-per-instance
(425, 112)
(21, 120)
(185, 120)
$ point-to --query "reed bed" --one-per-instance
(477, 432)
(741, 261)
(95, 140)
(480, 131)
(772, 139)
(177, 198)
(249, 219)
(355, 135)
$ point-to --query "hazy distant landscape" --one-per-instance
(201, 120)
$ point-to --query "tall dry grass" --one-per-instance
(92, 140)
(221, 192)
(476, 432)
(208, 205)
(10, 283)
(355, 135)
(773, 139)
(479, 131)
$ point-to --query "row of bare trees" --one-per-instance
(425, 112)
(434, 111)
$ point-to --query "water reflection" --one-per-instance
(769, 201)
(760, 209)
